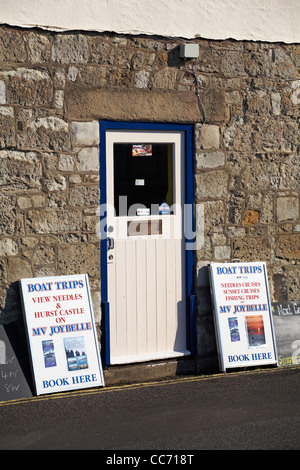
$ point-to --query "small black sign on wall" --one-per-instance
(15, 377)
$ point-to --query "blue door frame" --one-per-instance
(189, 199)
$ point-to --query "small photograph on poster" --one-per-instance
(49, 354)
(142, 150)
(76, 353)
(255, 330)
(234, 329)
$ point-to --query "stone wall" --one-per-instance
(54, 87)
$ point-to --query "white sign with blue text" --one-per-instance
(61, 333)
(242, 314)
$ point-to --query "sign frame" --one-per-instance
(61, 333)
(242, 315)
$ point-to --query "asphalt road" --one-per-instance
(238, 410)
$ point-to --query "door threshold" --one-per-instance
(170, 368)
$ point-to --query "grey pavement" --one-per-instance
(245, 410)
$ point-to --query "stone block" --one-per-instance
(57, 199)
(53, 221)
(18, 268)
(72, 73)
(264, 173)
(101, 51)
(90, 223)
(254, 200)
(46, 133)
(28, 87)
(59, 99)
(257, 103)
(127, 104)
(59, 78)
(2, 92)
(222, 252)
(251, 249)
(232, 64)
(7, 127)
(164, 79)
(213, 101)
(91, 76)
(261, 133)
(119, 77)
(84, 195)
(44, 255)
(7, 222)
(218, 239)
(283, 65)
(66, 163)
(83, 258)
(3, 272)
(70, 49)
(50, 161)
(233, 97)
(142, 79)
(7, 201)
(27, 202)
(210, 160)
(279, 288)
(205, 250)
(28, 243)
(209, 137)
(24, 202)
(39, 48)
(236, 232)
(267, 214)
(251, 217)
(12, 46)
(294, 284)
(75, 179)
(8, 247)
(288, 248)
(287, 208)
(96, 301)
(55, 182)
(276, 103)
(85, 133)
(214, 216)
(212, 184)
(88, 159)
(20, 170)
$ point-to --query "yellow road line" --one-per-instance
(91, 391)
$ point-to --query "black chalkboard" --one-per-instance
(15, 376)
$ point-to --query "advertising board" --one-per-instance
(61, 333)
(15, 378)
(242, 315)
(286, 319)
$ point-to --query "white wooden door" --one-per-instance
(145, 257)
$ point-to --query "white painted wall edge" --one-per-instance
(255, 20)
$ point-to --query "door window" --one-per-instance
(143, 178)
